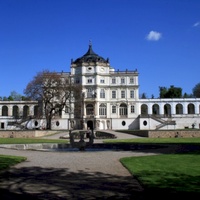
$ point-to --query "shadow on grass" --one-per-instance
(171, 183)
(31, 183)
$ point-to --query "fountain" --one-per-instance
(81, 144)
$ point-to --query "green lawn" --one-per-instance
(30, 140)
(7, 161)
(166, 172)
(172, 172)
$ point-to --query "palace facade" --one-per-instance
(110, 100)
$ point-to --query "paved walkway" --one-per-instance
(70, 176)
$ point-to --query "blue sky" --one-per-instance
(159, 38)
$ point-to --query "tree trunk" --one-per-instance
(48, 124)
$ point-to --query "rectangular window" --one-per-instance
(102, 93)
(113, 109)
(67, 109)
(89, 80)
(132, 94)
(102, 81)
(132, 109)
(131, 80)
(114, 94)
(122, 80)
(77, 80)
(2, 125)
(113, 80)
(122, 94)
(89, 93)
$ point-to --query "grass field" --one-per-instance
(31, 140)
(172, 172)
(8, 161)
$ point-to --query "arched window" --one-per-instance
(102, 110)
(144, 109)
(191, 108)
(89, 109)
(15, 111)
(4, 111)
(25, 111)
(123, 109)
(167, 109)
(179, 109)
(155, 109)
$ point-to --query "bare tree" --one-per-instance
(55, 91)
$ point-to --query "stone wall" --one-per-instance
(174, 133)
(166, 133)
(25, 133)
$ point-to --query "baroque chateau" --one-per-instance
(110, 100)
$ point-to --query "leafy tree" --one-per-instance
(143, 96)
(55, 91)
(163, 91)
(10, 98)
(187, 95)
(15, 96)
(5, 98)
(172, 92)
(196, 90)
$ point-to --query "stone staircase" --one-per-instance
(163, 122)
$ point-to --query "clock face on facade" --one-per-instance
(102, 69)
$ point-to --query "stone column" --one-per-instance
(10, 110)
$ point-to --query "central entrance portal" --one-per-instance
(90, 124)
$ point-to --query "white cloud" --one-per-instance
(196, 24)
(154, 36)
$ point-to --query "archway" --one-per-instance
(156, 109)
(4, 111)
(179, 109)
(90, 124)
(144, 109)
(191, 108)
(167, 110)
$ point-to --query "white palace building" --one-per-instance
(110, 101)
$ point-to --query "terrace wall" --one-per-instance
(25, 133)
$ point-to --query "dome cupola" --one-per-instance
(90, 56)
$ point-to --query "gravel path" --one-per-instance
(69, 175)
